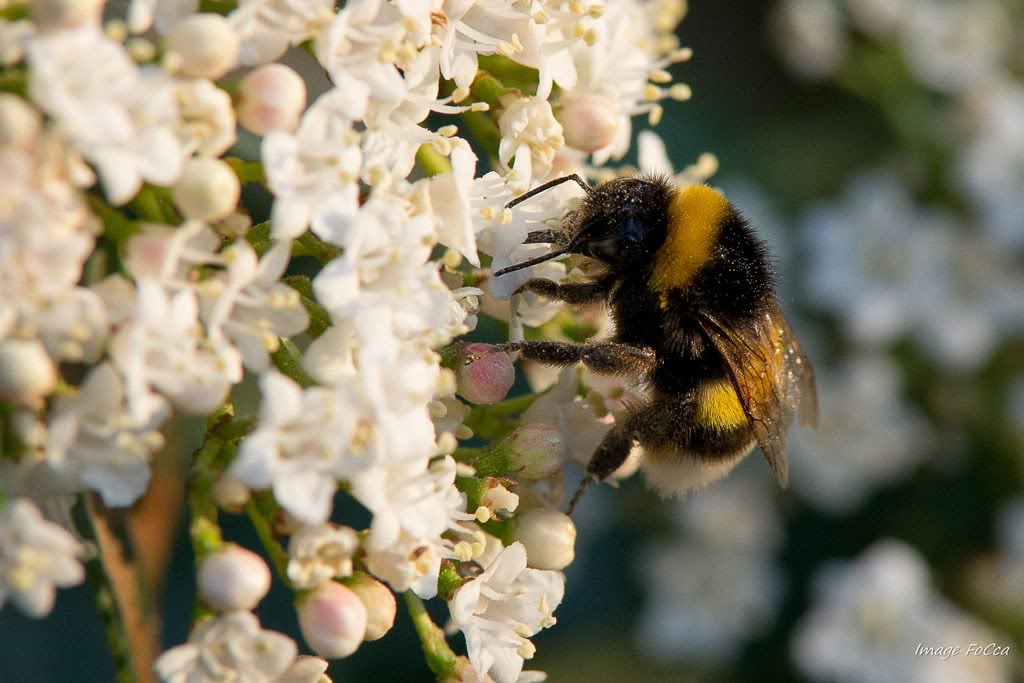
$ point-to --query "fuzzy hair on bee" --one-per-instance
(691, 295)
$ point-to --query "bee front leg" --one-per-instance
(569, 292)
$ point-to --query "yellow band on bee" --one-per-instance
(694, 219)
(719, 407)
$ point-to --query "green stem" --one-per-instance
(265, 531)
(286, 359)
(492, 421)
(440, 658)
(104, 593)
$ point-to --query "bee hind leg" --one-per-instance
(606, 357)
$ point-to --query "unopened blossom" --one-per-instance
(207, 190)
(27, 374)
(231, 646)
(379, 602)
(488, 378)
(299, 447)
(203, 45)
(333, 620)
(36, 557)
(119, 116)
(271, 97)
(590, 122)
(499, 610)
(305, 669)
(549, 537)
(233, 578)
(320, 552)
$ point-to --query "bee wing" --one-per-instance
(772, 378)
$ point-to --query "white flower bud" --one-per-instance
(204, 45)
(589, 122)
(230, 494)
(207, 190)
(59, 14)
(271, 98)
(378, 600)
(549, 537)
(538, 450)
(486, 380)
(333, 621)
(233, 578)
(19, 122)
(27, 373)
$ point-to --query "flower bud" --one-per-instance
(207, 190)
(305, 669)
(589, 122)
(204, 45)
(230, 494)
(19, 123)
(59, 14)
(537, 449)
(332, 620)
(271, 98)
(233, 578)
(378, 600)
(27, 373)
(486, 380)
(549, 537)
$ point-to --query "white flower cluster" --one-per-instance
(133, 286)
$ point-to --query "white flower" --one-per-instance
(867, 436)
(718, 585)
(952, 47)
(811, 34)
(206, 119)
(250, 306)
(120, 117)
(410, 563)
(94, 439)
(411, 495)
(301, 447)
(229, 647)
(315, 172)
(267, 28)
(451, 203)
(872, 614)
(530, 137)
(500, 609)
(319, 553)
(163, 349)
(36, 558)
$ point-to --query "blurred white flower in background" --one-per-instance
(868, 435)
(36, 557)
(870, 616)
(719, 585)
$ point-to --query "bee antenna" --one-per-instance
(530, 262)
(548, 185)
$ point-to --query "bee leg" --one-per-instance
(605, 357)
(569, 292)
(654, 425)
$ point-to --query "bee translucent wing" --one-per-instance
(772, 378)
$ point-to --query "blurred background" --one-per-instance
(879, 146)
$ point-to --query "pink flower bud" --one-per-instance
(486, 380)
(589, 122)
(333, 620)
(549, 537)
(233, 578)
(378, 600)
(272, 98)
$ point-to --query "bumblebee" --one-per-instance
(691, 294)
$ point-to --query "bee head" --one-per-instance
(622, 222)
